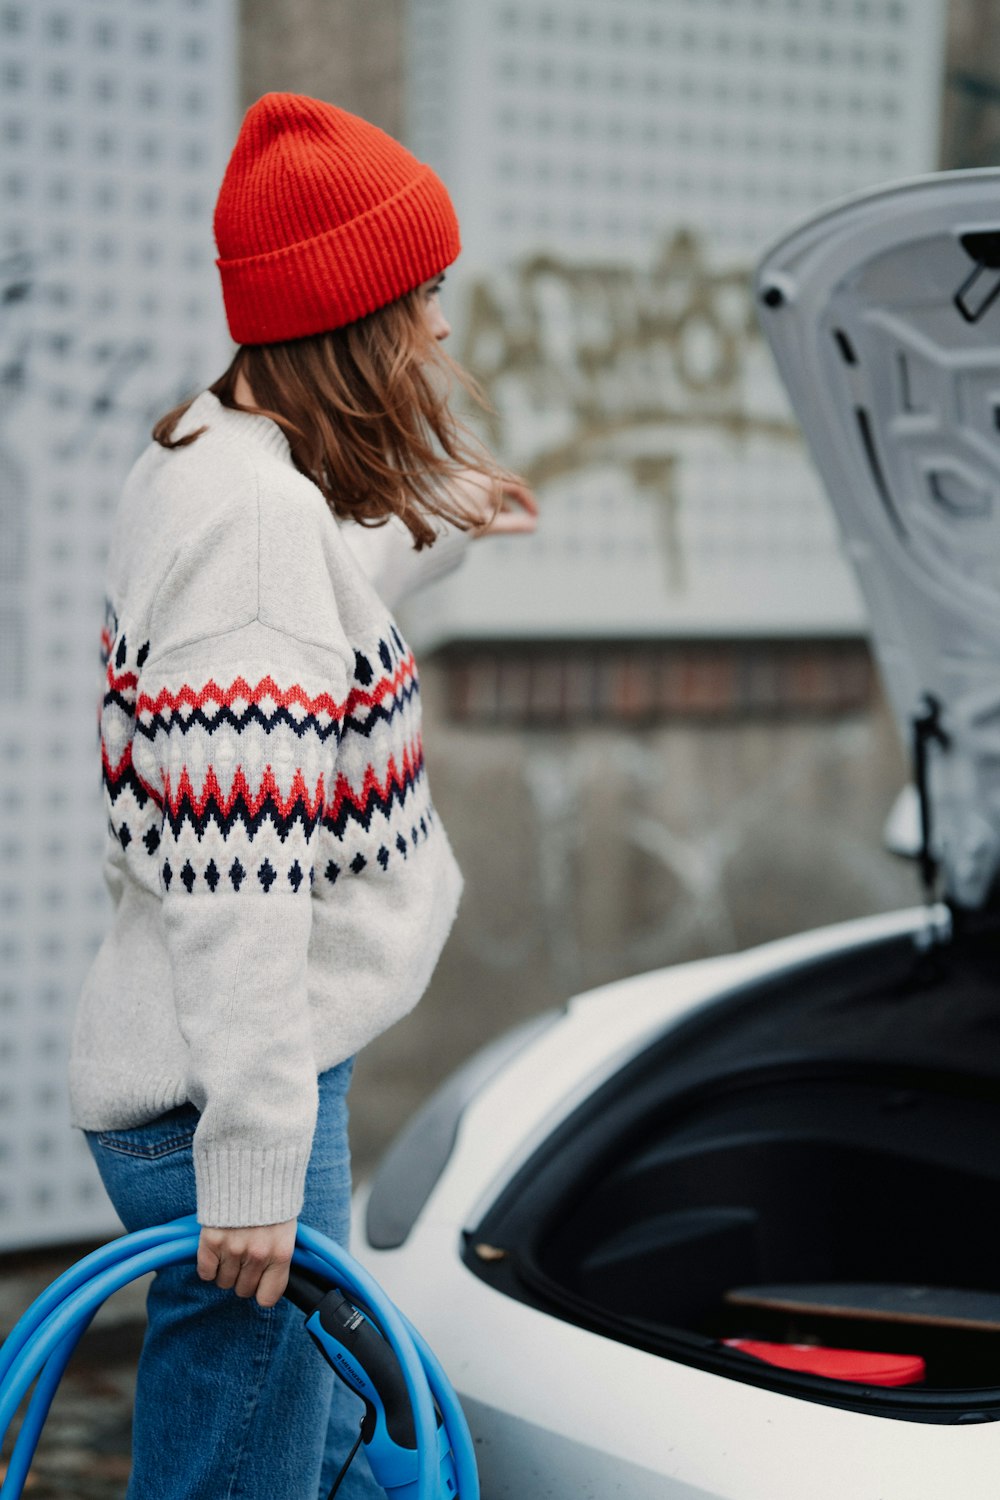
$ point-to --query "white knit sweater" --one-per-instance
(282, 887)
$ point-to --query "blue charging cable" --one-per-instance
(442, 1465)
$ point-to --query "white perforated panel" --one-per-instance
(617, 170)
(115, 120)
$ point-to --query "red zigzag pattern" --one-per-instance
(396, 780)
(267, 688)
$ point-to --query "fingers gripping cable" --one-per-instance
(414, 1430)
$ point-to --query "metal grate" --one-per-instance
(115, 121)
(617, 170)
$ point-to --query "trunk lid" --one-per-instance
(883, 314)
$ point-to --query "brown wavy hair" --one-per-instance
(366, 412)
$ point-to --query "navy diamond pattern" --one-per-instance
(267, 874)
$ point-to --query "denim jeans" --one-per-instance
(233, 1400)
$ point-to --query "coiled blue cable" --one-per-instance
(41, 1343)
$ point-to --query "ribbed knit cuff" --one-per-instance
(245, 1185)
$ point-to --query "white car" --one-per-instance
(637, 1232)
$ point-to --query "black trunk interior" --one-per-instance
(836, 1124)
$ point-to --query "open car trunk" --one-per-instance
(834, 1131)
(816, 1158)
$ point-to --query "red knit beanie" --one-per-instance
(322, 218)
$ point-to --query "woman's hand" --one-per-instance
(475, 491)
(253, 1262)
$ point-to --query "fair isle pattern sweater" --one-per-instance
(281, 885)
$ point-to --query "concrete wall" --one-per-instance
(971, 125)
(347, 51)
(595, 850)
(594, 853)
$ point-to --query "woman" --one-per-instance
(282, 887)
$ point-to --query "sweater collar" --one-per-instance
(207, 410)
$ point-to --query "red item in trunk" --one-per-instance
(859, 1365)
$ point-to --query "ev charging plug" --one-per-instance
(366, 1362)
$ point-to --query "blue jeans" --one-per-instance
(233, 1400)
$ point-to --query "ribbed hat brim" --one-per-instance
(336, 277)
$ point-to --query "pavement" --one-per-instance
(84, 1450)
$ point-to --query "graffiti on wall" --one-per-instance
(588, 363)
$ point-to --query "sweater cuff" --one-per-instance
(247, 1185)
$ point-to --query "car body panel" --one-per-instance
(555, 1409)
